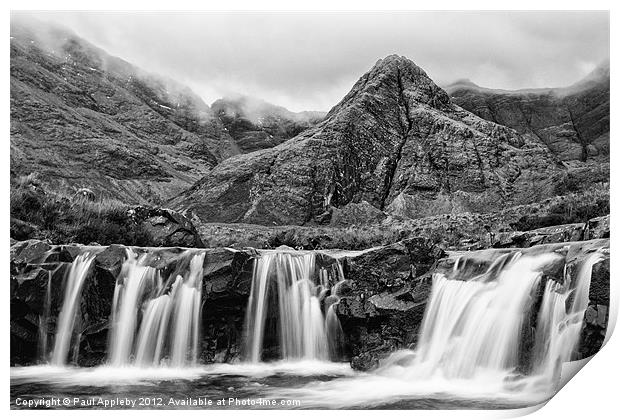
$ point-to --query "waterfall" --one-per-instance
(155, 322)
(135, 280)
(474, 323)
(560, 318)
(303, 326)
(67, 318)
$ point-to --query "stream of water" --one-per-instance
(466, 356)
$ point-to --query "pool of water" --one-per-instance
(303, 385)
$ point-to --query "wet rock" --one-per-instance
(382, 307)
(594, 330)
(381, 268)
(365, 361)
(110, 260)
(599, 283)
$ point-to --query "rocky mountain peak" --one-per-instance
(395, 78)
(396, 133)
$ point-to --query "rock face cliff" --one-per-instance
(396, 137)
(573, 122)
(255, 124)
(82, 118)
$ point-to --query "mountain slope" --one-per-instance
(255, 124)
(395, 138)
(82, 118)
(573, 122)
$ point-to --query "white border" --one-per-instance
(590, 395)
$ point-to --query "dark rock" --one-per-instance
(365, 361)
(594, 330)
(547, 235)
(111, 259)
(597, 228)
(388, 267)
(599, 284)
(382, 306)
(21, 230)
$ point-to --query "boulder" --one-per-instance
(166, 227)
(597, 228)
(546, 235)
(382, 307)
(597, 315)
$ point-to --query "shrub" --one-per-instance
(65, 219)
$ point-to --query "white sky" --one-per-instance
(309, 61)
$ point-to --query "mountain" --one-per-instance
(573, 122)
(255, 124)
(395, 139)
(82, 118)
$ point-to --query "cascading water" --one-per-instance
(134, 281)
(152, 321)
(471, 337)
(496, 335)
(475, 326)
(561, 318)
(305, 332)
(67, 318)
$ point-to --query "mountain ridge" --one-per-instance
(396, 133)
(572, 121)
(81, 118)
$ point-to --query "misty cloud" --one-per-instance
(309, 61)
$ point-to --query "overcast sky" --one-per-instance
(309, 61)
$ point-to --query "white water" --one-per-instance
(130, 288)
(66, 319)
(151, 325)
(106, 375)
(304, 330)
(468, 345)
(560, 319)
(468, 348)
(477, 324)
